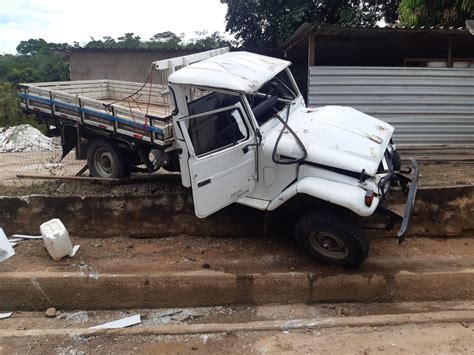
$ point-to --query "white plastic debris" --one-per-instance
(121, 323)
(5, 315)
(23, 236)
(15, 240)
(6, 250)
(56, 239)
(74, 250)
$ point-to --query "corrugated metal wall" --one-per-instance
(425, 105)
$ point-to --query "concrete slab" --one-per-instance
(188, 271)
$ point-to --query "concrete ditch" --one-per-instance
(112, 273)
(440, 211)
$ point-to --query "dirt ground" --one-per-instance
(235, 255)
(432, 175)
(407, 337)
(36, 163)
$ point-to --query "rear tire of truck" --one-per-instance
(332, 239)
(106, 160)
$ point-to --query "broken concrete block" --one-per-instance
(51, 313)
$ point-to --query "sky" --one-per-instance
(78, 20)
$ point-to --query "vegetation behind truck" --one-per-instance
(239, 131)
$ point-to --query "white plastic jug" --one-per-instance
(56, 238)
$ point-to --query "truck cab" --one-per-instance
(245, 135)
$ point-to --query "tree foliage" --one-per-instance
(162, 40)
(166, 40)
(37, 60)
(10, 113)
(435, 12)
(270, 22)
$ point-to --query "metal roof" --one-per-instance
(316, 29)
(238, 71)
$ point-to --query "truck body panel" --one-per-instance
(336, 136)
(100, 105)
(236, 71)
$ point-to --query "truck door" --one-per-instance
(221, 158)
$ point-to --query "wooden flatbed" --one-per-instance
(134, 110)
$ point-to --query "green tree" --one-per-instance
(129, 40)
(166, 40)
(38, 46)
(203, 40)
(10, 113)
(270, 22)
(435, 12)
(37, 60)
(105, 42)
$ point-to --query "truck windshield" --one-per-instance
(272, 97)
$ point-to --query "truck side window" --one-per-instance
(272, 97)
(217, 130)
(211, 102)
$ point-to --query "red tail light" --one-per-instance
(369, 197)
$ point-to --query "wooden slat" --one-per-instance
(50, 177)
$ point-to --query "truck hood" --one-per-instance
(336, 136)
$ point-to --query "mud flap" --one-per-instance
(68, 139)
(402, 212)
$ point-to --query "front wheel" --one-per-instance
(332, 239)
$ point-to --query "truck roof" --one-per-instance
(237, 71)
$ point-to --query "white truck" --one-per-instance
(239, 131)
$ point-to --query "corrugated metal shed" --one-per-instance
(425, 105)
(321, 30)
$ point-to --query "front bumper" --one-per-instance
(402, 212)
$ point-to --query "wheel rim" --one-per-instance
(328, 245)
(104, 162)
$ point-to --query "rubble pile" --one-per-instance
(24, 138)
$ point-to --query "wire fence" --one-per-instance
(37, 163)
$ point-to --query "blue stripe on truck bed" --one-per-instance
(91, 112)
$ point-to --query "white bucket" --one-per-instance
(56, 239)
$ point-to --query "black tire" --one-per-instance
(396, 161)
(332, 239)
(105, 159)
(173, 163)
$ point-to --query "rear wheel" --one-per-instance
(105, 159)
(332, 239)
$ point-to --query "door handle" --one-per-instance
(204, 182)
(246, 148)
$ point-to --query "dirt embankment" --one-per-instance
(432, 175)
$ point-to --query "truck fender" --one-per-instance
(344, 195)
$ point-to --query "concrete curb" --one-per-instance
(72, 290)
(438, 212)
